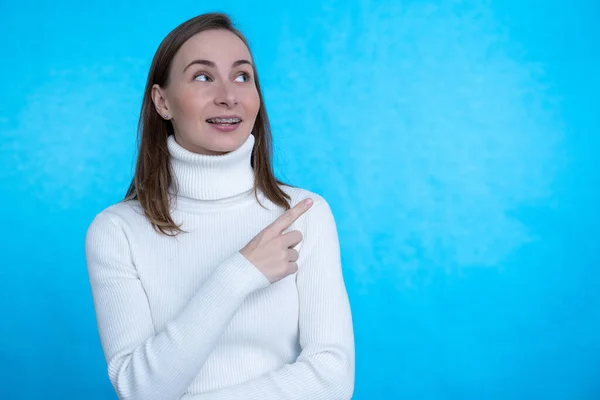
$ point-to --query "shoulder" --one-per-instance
(317, 224)
(298, 194)
(320, 212)
(121, 216)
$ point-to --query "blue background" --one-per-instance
(455, 141)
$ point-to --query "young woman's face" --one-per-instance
(211, 76)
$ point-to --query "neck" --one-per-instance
(211, 177)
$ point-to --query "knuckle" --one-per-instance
(283, 254)
(278, 240)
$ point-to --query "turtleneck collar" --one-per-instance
(212, 177)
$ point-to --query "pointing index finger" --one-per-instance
(288, 218)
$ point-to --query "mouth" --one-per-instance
(225, 121)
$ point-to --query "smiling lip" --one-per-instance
(226, 116)
(225, 127)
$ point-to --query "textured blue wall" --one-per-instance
(455, 141)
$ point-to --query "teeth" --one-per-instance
(224, 120)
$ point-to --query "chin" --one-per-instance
(224, 143)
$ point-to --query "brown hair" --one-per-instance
(153, 174)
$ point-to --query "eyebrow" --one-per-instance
(211, 64)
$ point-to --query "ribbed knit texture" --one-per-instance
(189, 317)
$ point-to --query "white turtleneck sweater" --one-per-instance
(189, 317)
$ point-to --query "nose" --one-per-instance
(226, 95)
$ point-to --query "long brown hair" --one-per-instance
(153, 174)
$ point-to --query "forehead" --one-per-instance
(220, 46)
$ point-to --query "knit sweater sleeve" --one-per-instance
(143, 363)
(325, 367)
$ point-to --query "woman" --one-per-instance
(207, 283)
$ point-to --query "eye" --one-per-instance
(245, 75)
(199, 74)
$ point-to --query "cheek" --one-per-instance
(252, 101)
(190, 103)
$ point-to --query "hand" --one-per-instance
(271, 252)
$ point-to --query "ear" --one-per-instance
(159, 98)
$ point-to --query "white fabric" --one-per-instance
(189, 317)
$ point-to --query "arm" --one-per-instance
(325, 367)
(142, 363)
